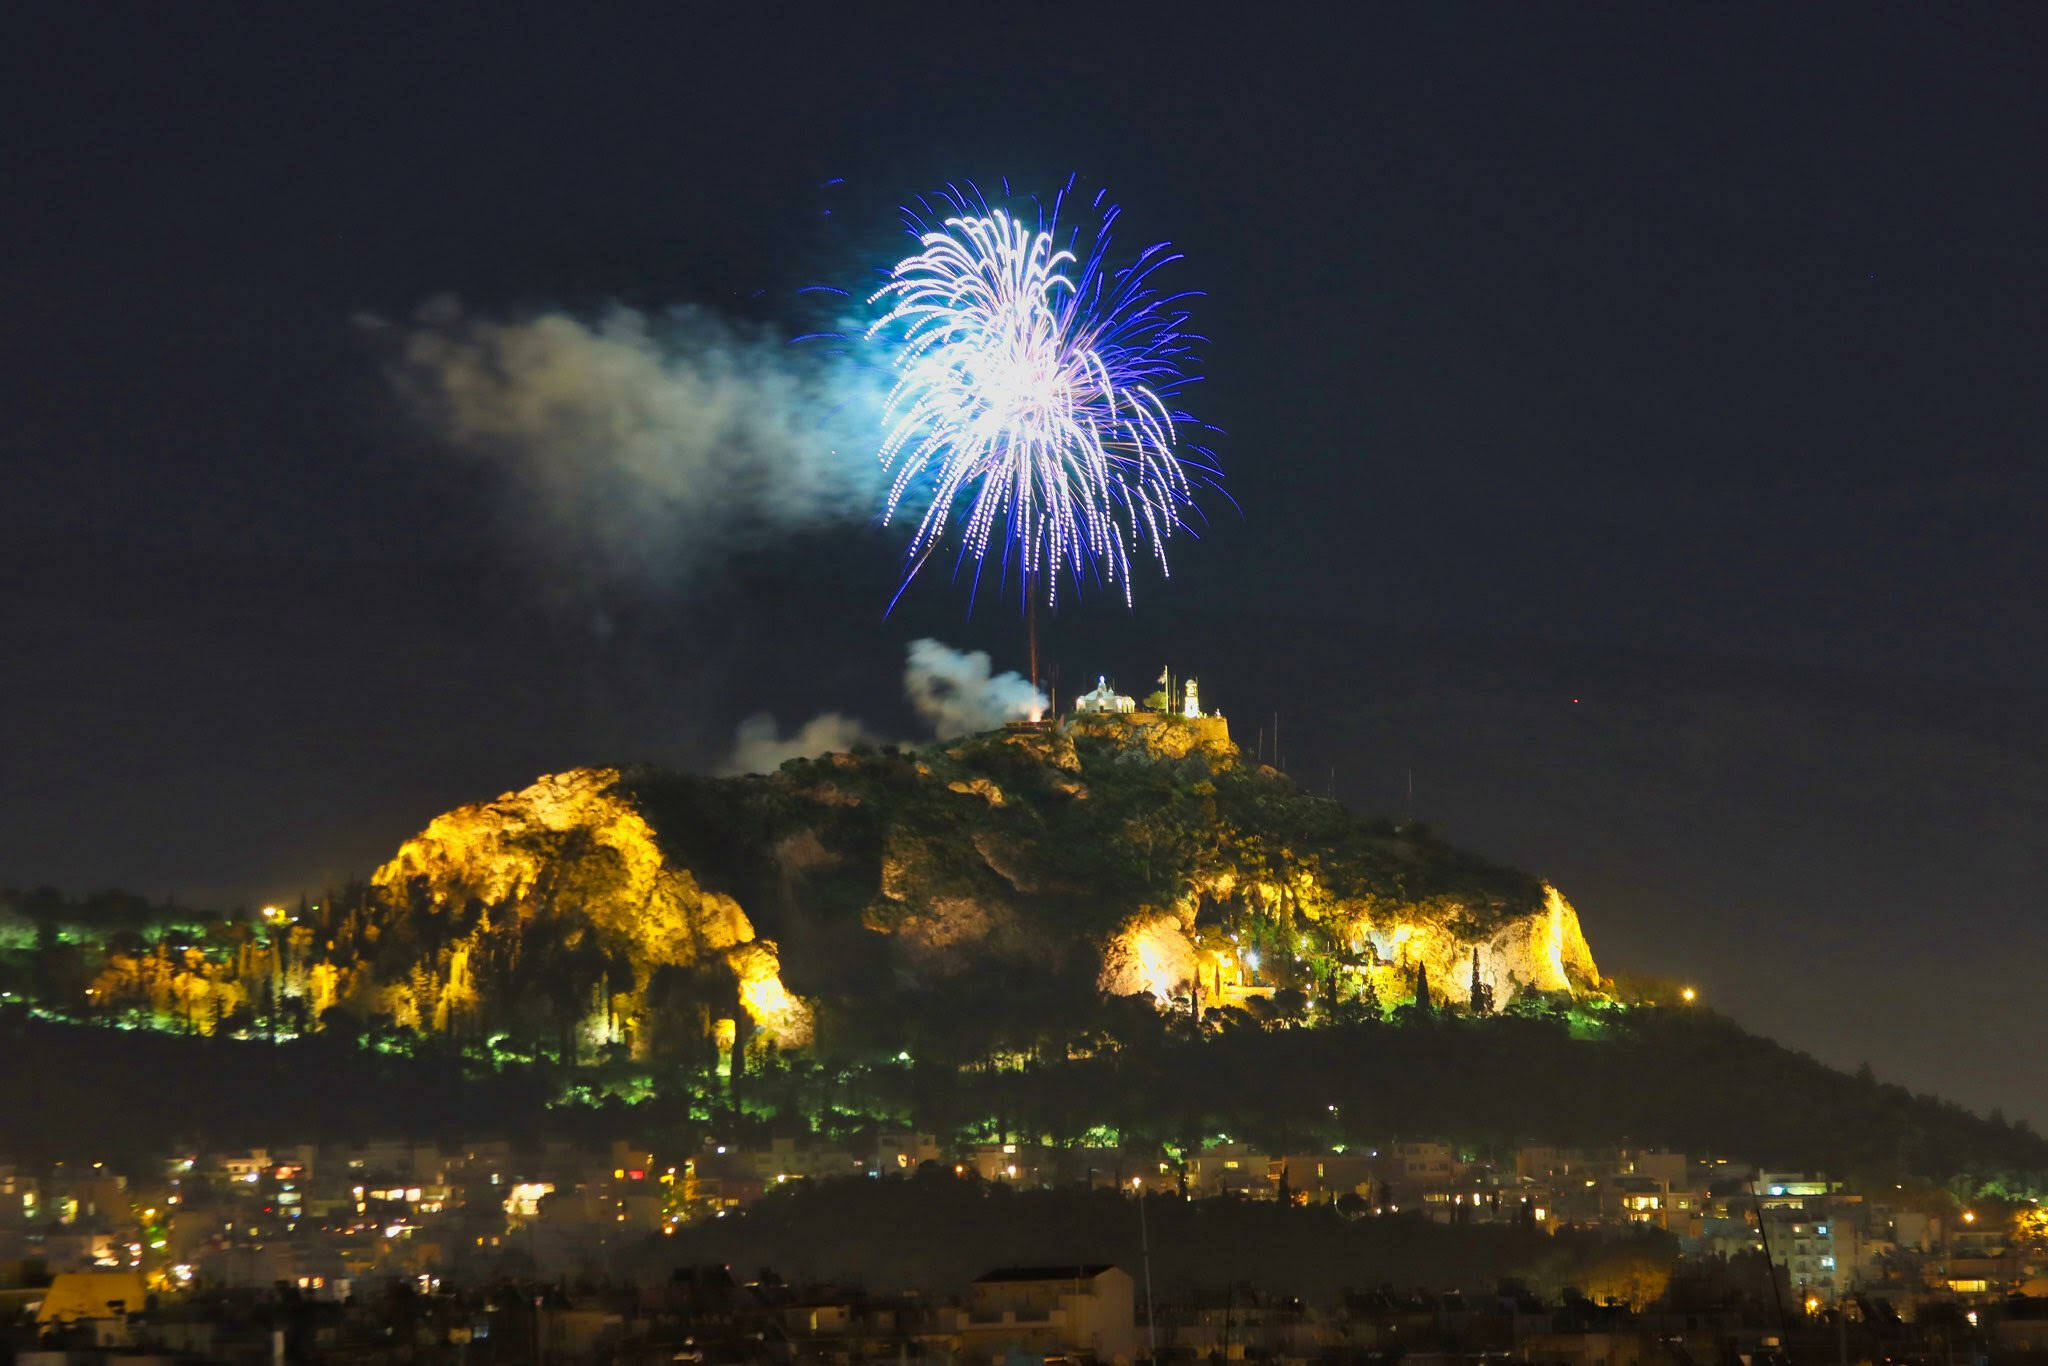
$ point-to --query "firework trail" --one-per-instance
(1034, 396)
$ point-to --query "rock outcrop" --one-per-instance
(1393, 947)
(575, 842)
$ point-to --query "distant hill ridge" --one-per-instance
(1105, 930)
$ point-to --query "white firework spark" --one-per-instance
(1032, 400)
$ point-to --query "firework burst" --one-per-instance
(1034, 399)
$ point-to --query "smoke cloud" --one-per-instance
(758, 746)
(955, 692)
(647, 447)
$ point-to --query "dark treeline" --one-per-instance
(131, 1095)
(936, 1232)
(1674, 1078)
(1680, 1080)
(108, 910)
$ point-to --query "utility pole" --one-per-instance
(1145, 1253)
(1770, 1267)
(1031, 628)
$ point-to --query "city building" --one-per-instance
(1051, 1311)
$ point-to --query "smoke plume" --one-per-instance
(955, 692)
(646, 447)
(758, 746)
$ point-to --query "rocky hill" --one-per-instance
(1118, 855)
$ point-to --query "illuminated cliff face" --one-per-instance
(1544, 950)
(572, 840)
(1152, 954)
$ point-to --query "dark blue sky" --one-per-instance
(1685, 361)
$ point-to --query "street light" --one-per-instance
(1690, 995)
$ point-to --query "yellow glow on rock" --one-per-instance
(1553, 938)
(770, 1005)
(1150, 954)
(577, 837)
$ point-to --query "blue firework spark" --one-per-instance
(1034, 403)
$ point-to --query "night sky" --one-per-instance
(1635, 412)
